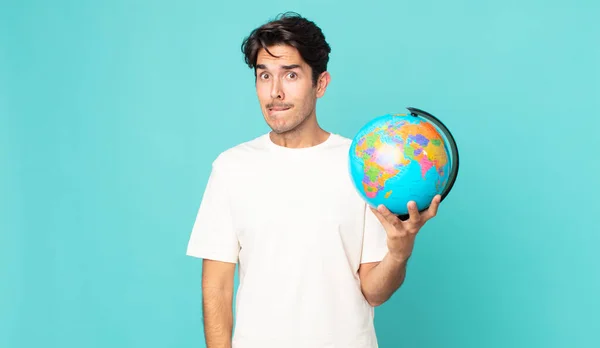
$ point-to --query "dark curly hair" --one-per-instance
(291, 29)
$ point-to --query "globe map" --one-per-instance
(397, 158)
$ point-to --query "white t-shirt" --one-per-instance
(299, 230)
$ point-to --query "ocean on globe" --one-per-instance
(397, 158)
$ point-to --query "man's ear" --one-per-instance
(322, 83)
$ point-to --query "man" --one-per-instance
(314, 259)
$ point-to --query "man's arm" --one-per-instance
(217, 302)
(379, 280)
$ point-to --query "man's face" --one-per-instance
(285, 88)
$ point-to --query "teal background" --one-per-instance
(112, 111)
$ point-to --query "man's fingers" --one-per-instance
(433, 208)
(413, 212)
(387, 214)
(384, 216)
(379, 217)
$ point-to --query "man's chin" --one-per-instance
(281, 128)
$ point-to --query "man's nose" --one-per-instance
(276, 90)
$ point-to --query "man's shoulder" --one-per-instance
(241, 152)
(341, 140)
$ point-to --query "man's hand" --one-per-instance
(401, 234)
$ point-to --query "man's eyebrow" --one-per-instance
(284, 67)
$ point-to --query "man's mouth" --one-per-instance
(278, 108)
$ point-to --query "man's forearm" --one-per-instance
(383, 280)
(218, 317)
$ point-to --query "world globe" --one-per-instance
(398, 158)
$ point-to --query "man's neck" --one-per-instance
(300, 138)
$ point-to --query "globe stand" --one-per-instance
(403, 217)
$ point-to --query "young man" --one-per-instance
(314, 259)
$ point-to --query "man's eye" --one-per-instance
(292, 75)
(264, 76)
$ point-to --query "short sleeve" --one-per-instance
(213, 235)
(374, 246)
